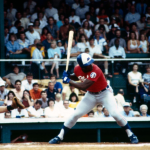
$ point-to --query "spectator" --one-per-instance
(9, 98)
(141, 7)
(133, 78)
(91, 114)
(29, 4)
(28, 83)
(61, 20)
(82, 9)
(7, 19)
(127, 112)
(57, 85)
(51, 91)
(79, 33)
(87, 19)
(50, 11)
(44, 34)
(133, 44)
(64, 30)
(120, 99)
(82, 44)
(67, 90)
(6, 35)
(99, 112)
(35, 92)
(62, 48)
(54, 53)
(93, 15)
(73, 100)
(12, 45)
(143, 110)
(144, 44)
(75, 5)
(51, 111)
(146, 76)
(148, 12)
(87, 29)
(141, 23)
(32, 34)
(44, 99)
(112, 32)
(26, 99)
(20, 30)
(58, 101)
(113, 22)
(12, 11)
(43, 21)
(132, 16)
(122, 42)
(37, 26)
(102, 31)
(14, 29)
(12, 77)
(19, 113)
(105, 113)
(52, 28)
(66, 110)
(3, 91)
(36, 111)
(134, 29)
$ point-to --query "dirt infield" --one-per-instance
(75, 146)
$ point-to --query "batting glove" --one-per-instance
(66, 79)
(66, 73)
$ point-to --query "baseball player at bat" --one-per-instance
(98, 92)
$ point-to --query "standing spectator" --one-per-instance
(91, 24)
(3, 91)
(19, 113)
(99, 112)
(52, 28)
(43, 22)
(58, 101)
(37, 26)
(61, 20)
(127, 112)
(143, 110)
(6, 35)
(28, 83)
(105, 113)
(57, 85)
(54, 53)
(14, 29)
(11, 10)
(36, 111)
(44, 99)
(144, 44)
(44, 34)
(133, 44)
(12, 77)
(66, 110)
(87, 29)
(18, 90)
(9, 98)
(75, 5)
(73, 100)
(35, 92)
(141, 7)
(141, 24)
(146, 76)
(51, 91)
(51, 111)
(82, 9)
(29, 4)
(132, 16)
(32, 34)
(50, 11)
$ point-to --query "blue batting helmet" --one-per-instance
(84, 59)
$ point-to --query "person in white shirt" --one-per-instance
(19, 113)
(75, 5)
(12, 11)
(43, 22)
(32, 34)
(88, 16)
(58, 101)
(36, 111)
(99, 112)
(14, 29)
(87, 29)
(29, 4)
(66, 110)
(50, 11)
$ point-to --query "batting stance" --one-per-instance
(98, 92)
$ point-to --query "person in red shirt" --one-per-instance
(98, 92)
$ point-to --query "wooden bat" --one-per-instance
(70, 39)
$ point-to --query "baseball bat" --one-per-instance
(70, 39)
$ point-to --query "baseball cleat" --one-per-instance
(133, 139)
(16, 103)
(55, 140)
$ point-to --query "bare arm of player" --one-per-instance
(73, 77)
(82, 85)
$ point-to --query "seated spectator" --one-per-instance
(18, 90)
(147, 27)
(20, 30)
(146, 76)
(11, 10)
(82, 10)
(141, 7)
(61, 20)
(51, 111)
(91, 114)
(132, 16)
(51, 91)
(144, 44)
(93, 14)
(64, 30)
(3, 91)
(43, 21)
(35, 92)
(143, 110)
(67, 90)
(36, 26)
(136, 114)
(141, 23)
(87, 29)
(99, 112)
(44, 99)
(29, 4)
(54, 53)
(6, 35)
(73, 100)
(14, 29)
(75, 5)
(66, 111)
(44, 34)
(133, 44)
(82, 43)
(36, 111)
(12, 45)
(58, 101)
(19, 113)
(105, 113)
(148, 12)
(120, 99)
(52, 28)
(32, 34)
(113, 22)
(133, 78)
(87, 19)
(12, 77)
(102, 31)
(57, 85)
(50, 11)
(79, 33)
(62, 48)
(127, 112)
(134, 29)
(9, 98)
